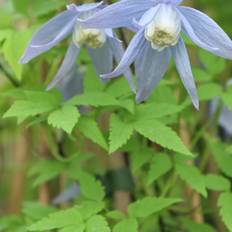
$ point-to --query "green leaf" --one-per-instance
(36, 103)
(150, 111)
(89, 128)
(213, 64)
(141, 156)
(192, 176)
(37, 7)
(229, 149)
(90, 187)
(209, 91)
(4, 34)
(227, 99)
(191, 226)
(13, 50)
(221, 156)
(120, 133)
(130, 225)
(36, 211)
(116, 215)
(128, 104)
(217, 183)
(90, 208)
(118, 88)
(161, 164)
(45, 171)
(97, 223)
(61, 219)
(94, 99)
(162, 135)
(225, 203)
(201, 75)
(40, 7)
(149, 205)
(64, 118)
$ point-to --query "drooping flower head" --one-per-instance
(158, 25)
(102, 44)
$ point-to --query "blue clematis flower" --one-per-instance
(102, 45)
(158, 25)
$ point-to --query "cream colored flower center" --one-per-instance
(163, 31)
(93, 38)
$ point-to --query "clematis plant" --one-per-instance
(159, 25)
(102, 44)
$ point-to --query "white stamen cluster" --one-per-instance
(163, 31)
(93, 38)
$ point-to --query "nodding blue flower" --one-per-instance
(72, 84)
(158, 25)
(102, 44)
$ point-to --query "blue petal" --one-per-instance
(174, 2)
(118, 52)
(118, 14)
(208, 32)
(148, 16)
(188, 29)
(88, 6)
(49, 35)
(67, 65)
(72, 84)
(129, 56)
(102, 58)
(183, 66)
(151, 66)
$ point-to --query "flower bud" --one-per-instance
(164, 29)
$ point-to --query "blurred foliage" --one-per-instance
(177, 162)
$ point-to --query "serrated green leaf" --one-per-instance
(94, 99)
(217, 183)
(225, 203)
(130, 225)
(161, 164)
(149, 205)
(90, 187)
(151, 111)
(90, 208)
(162, 135)
(192, 176)
(97, 223)
(64, 118)
(90, 129)
(36, 103)
(128, 104)
(61, 219)
(120, 133)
